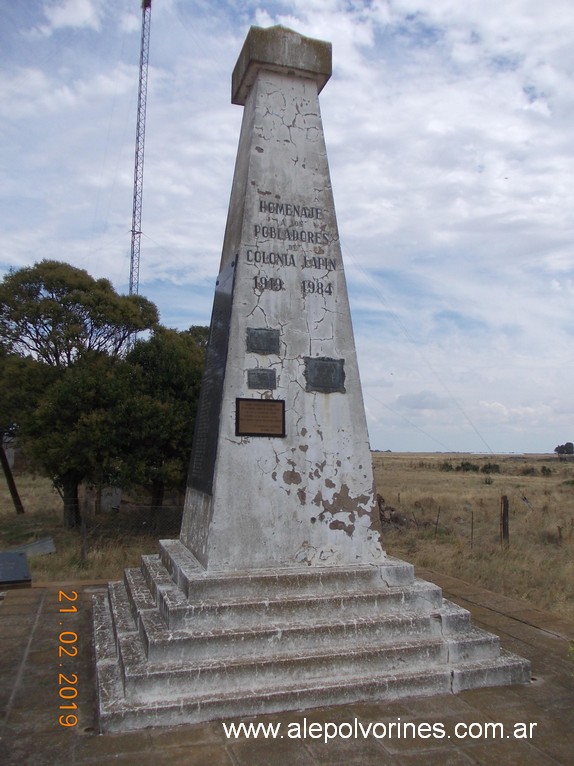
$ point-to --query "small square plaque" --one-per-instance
(324, 375)
(262, 341)
(265, 380)
(260, 417)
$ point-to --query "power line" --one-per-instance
(410, 422)
(372, 281)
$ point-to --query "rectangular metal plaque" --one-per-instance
(325, 375)
(262, 341)
(14, 571)
(260, 417)
(265, 380)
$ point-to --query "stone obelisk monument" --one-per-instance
(281, 469)
(278, 594)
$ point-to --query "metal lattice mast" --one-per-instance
(139, 155)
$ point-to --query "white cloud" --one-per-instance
(448, 127)
(129, 22)
(71, 14)
(32, 93)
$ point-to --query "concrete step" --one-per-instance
(142, 677)
(164, 658)
(133, 602)
(118, 713)
(132, 606)
(159, 655)
(195, 643)
(105, 638)
(163, 706)
(139, 594)
(243, 609)
(253, 635)
(191, 578)
(206, 615)
(505, 670)
(123, 621)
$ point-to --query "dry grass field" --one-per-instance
(446, 516)
(111, 542)
(442, 512)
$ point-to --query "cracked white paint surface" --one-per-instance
(308, 497)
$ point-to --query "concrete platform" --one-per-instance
(31, 626)
(178, 645)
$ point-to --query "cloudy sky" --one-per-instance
(449, 131)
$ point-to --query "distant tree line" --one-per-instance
(565, 449)
(85, 402)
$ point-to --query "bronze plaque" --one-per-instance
(260, 417)
(262, 341)
(325, 375)
(262, 379)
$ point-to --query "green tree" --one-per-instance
(19, 387)
(71, 432)
(200, 334)
(69, 331)
(159, 417)
(57, 313)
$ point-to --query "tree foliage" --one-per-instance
(70, 433)
(200, 335)
(565, 449)
(57, 313)
(62, 334)
(166, 374)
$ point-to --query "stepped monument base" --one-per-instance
(175, 644)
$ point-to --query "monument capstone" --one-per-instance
(278, 594)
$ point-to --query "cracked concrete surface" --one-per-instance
(304, 492)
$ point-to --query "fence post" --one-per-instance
(436, 522)
(504, 536)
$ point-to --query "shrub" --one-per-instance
(466, 465)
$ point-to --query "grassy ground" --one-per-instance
(112, 541)
(537, 566)
(418, 490)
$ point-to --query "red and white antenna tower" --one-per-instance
(139, 156)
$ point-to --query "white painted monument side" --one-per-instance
(282, 338)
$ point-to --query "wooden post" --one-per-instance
(436, 522)
(84, 531)
(10, 479)
(504, 536)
